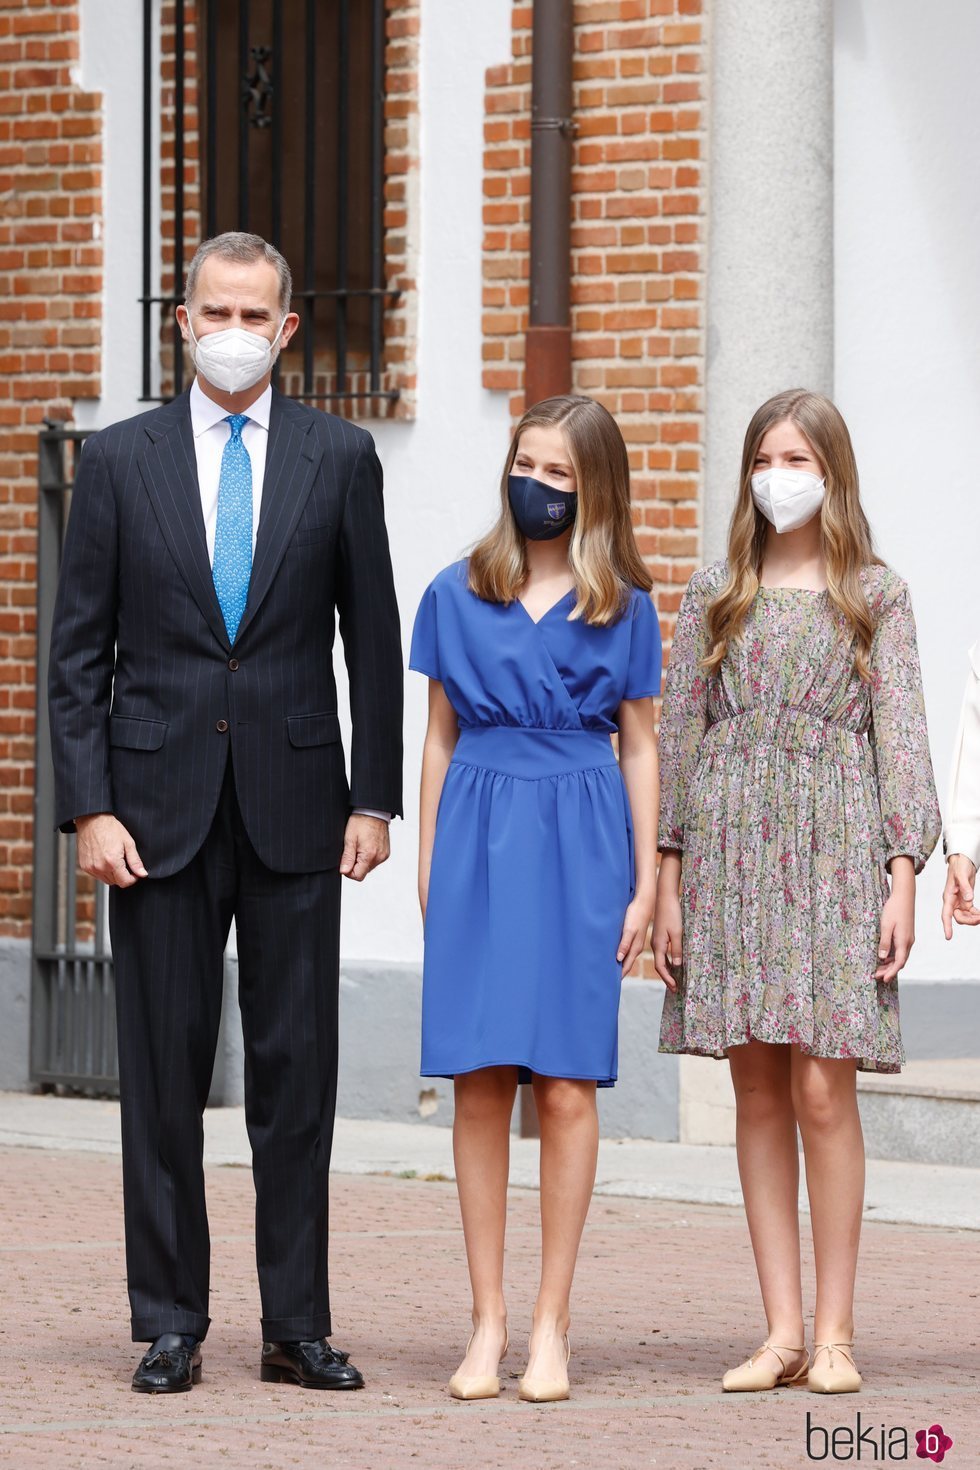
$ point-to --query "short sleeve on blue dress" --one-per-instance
(643, 668)
(424, 657)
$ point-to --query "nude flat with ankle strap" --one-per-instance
(755, 1377)
(486, 1386)
(839, 1374)
(544, 1390)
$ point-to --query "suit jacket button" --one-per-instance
(221, 727)
(233, 665)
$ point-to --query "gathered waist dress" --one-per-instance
(788, 784)
(533, 753)
(532, 864)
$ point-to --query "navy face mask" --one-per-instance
(541, 511)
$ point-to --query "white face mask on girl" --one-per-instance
(234, 359)
(788, 498)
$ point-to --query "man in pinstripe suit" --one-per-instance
(197, 753)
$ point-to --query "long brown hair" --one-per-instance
(602, 553)
(845, 532)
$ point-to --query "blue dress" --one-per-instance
(532, 866)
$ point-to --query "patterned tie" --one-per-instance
(233, 533)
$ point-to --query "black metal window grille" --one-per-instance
(73, 1018)
(290, 122)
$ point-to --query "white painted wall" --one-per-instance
(112, 63)
(442, 470)
(907, 320)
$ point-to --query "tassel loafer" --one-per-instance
(310, 1364)
(170, 1365)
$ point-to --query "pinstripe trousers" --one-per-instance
(168, 940)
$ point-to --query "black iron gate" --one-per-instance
(73, 1023)
(278, 119)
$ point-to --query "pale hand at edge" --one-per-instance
(958, 894)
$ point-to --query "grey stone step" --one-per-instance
(929, 1113)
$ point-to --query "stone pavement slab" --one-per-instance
(903, 1193)
(666, 1298)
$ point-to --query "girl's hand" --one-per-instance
(667, 937)
(636, 927)
(423, 893)
(897, 922)
(958, 894)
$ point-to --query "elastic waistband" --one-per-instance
(788, 727)
(532, 754)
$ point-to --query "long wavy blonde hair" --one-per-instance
(845, 532)
(602, 553)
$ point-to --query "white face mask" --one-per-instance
(788, 498)
(234, 359)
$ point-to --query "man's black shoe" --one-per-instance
(170, 1366)
(310, 1364)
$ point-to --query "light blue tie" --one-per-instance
(232, 565)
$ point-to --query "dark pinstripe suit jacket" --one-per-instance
(146, 692)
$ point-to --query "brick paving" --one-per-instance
(666, 1299)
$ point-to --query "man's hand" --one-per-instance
(107, 851)
(366, 846)
(958, 894)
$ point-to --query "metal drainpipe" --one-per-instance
(548, 354)
(548, 345)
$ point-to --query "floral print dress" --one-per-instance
(788, 784)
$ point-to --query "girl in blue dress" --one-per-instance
(537, 849)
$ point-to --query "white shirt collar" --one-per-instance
(205, 413)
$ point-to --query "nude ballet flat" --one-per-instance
(545, 1391)
(755, 1377)
(487, 1387)
(838, 1374)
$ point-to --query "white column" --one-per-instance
(111, 62)
(770, 224)
(907, 365)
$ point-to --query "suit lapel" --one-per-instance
(168, 467)
(291, 462)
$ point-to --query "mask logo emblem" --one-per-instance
(557, 511)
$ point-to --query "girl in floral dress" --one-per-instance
(797, 806)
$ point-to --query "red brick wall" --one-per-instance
(50, 335)
(637, 252)
(637, 266)
(401, 206)
(402, 200)
(191, 215)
